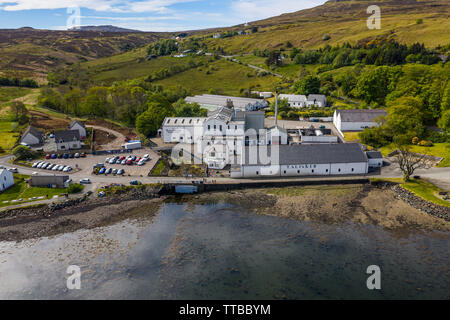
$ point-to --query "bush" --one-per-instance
(326, 37)
(419, 21)
(22, 152)
(75, 188)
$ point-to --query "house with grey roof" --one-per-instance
(67, 140)
(316, 100)
(294, 100)
(357, 120)
(32, 136)
(301, 160)
(214, 102)
(79, 126)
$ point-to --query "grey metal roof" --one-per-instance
(67, 135)
(309, 154)
(217, 100)
(359, 115)
(374, 155)
(75, 122)
(35, 132)
(224, 114)
(313, 97)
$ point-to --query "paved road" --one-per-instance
(116, 143)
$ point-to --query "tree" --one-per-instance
(22, 152)
(185, 109)
(149, 121)
(444, 121)
(307, 85)
(18, 109)
(409, 162)
(274, 59)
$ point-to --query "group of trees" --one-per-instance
(376, 52)
(163, 48)
(130, 104)
(27, 83)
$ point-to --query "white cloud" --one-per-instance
(159, 6)
(250, 10)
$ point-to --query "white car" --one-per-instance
(39, 166)
(55, 168)
(141, 163)
(107, 160)
(85, 181)
(35, 165)
(50, 166)
(61, 168)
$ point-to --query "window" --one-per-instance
(339, 170)
(284, 171)
(353, 169)
(312, 170)
(215, 127)
(327, 170)
(209, 127)
(220, 127)
(257, 172)
(235, 127)
(298, 171)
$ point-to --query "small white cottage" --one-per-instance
(6, 179)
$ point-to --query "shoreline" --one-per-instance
(378, 205)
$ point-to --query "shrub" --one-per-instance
(419, 21)
(326, 37)
(23, 152)
(75, 188)
(415, 140)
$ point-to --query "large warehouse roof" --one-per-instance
(307, 154)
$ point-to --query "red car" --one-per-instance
(129, 162)
(137, 159)
(47, 156)
(122, 158)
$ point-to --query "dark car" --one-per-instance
(59, 156)
(71, 156)
(53, 156)
(135, 183)
(65, 156)
(133, 158)
(48, 156)
(83, 155)
(102, 170)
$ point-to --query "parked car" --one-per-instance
(60, 156)
(107, 160)
(50, 166)
(65, 156)
(85, 181)
(135, 183)
(71, 156)
(141, 163)
(122, 158)
(123, 162)
(120, 172)
(102, 170)
(114, 171)
(51, 135)
(108, 171)
(40, 165)
(55, 168)
(129, 162)
(77, 155)
(83, 155)
(35, 164)
(99, 165)
(66, 169)
(61, 168)
(13, 170)
(53, 156)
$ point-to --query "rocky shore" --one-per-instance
(82, 213)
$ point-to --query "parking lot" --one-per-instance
(84, 166)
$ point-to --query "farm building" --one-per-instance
(6, 179)
(49, 181)
(301, 160)
(80, 127)
(356, 120)
(212, 102)
(32, 136)
(67, 140)
(375, 159)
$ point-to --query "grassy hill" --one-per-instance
(342, 21)
(32, 53)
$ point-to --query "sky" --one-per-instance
(145, 15)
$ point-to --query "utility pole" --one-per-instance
(276, 107)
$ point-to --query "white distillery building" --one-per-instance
(356, 120)
(316, 100)
(301, 160)
(212, 102)
(220, 136)
(6, 179)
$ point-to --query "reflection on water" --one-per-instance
(222, 252)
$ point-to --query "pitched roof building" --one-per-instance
(356, 120)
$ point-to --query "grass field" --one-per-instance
(351, 136)
(422, 188)
(10, 93)
(225, 76)
(8, 138)
(437, 150)
(21, 190)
